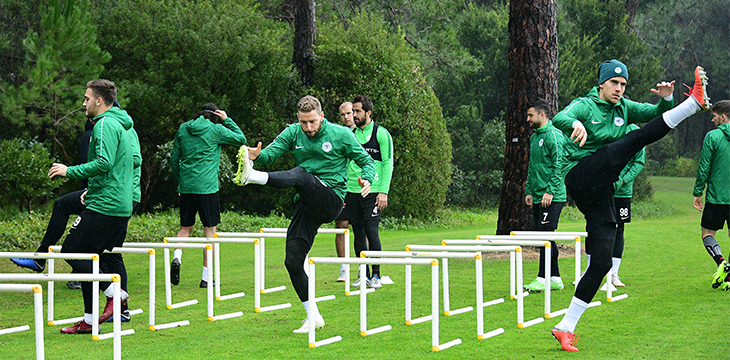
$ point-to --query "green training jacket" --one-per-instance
(604, 122)
(383, 167)
(196, 153)
(136, 187)
(110, 169)
(325, 155)
(545, 173)
(714, 167)
(624, 187)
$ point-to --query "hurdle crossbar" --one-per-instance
(435, 344)
(550, 235)
(37, 291)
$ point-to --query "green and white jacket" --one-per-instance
(545, 173)
(714, 166)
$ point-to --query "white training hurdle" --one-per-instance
(37, 291)
(445, 255)
(434, 317)
(574, 236)
(113, 278)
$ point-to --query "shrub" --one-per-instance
(24, 172)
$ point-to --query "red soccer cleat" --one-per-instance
(80, 327)
(699, 91)
(566, 339)
(109, 308)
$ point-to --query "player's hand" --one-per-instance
(365, 185)
(664, 88)
(57, 170)
(547, 199)
(579, 133)
(221, 114)
(83, 198)
(253, 153)
(697, 202)
(528, 200)
(381, 201)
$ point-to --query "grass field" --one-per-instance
(671, 312)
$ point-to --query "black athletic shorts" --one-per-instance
(362, 209)
(623, 210)
(93, 232)
(714, 216)
(206, 205)
(546, 219)
(343, 214)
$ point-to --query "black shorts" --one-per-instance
(309, 216)
(362, 209)
(207, 205)
(623, 210)
(546, 219)
(343, 214)
(714, 216)
(93, 232)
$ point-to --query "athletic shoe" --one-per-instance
(126, 317)
(204, 284)
(175, 271)
(29, 264)
(304, 329)
(698, 91)
(375, 282)
(566, 339)
(244, 167)
(342, 276)
(725, 286)
(80, 327)
(617, 281)
(357, 282)
(720, 274)
(535, 286)
(557, 285)
(109, 308)
(73, 285)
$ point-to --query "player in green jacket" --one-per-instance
(321, 150)
(545, 186)
(195, 161)
(602, 147)
(714, 174)
(364, 212)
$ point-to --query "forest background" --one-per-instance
(437, 72)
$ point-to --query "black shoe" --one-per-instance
(175, 272)
(73, 285)
(204, 284)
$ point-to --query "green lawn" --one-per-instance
(671, 312)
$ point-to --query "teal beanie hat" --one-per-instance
(612, 68)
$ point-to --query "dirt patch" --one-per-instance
(533, 253)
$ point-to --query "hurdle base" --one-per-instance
(357, 292)
(182, 304)
(531, 322)
(458, 311)
(169, 325)
(15, 329)
(226, 316)
(493, 302)
(324, 298)
(66, 321)
(272, 307)
(419, 320)
(447, 345)
(617, 298)
(274, 289)
(555, 314)
(325, 341)
(524, 295)
(111, 334)
(490, 334)
(594, 304)
(231, 296)
(376, 330)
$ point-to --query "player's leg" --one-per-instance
(714, 217)
(371, 221)
(210, 216)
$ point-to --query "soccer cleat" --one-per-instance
(29, 264)
(557, 285)
(375, 282)
(204, 284)
(342, 276)
(318, 324)
(566, 339)
(73, 285)
(126, 317)
(725, 286)
(699, 91)
(617, 281)
(720, 274)
(535, 286)
(175, 271)
(80, 327)
(109, 308)
(357, 283)
(244, 167)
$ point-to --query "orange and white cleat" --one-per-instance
(699, 91)
(566, 339)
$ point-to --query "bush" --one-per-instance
(24, 172)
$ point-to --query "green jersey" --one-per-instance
(137, 162)
(545, 172)
(110, 170)
(325, 155)
(714, 166)
(380, 149)
(624, 187)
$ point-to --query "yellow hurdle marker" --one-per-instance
(445, 255)
(37, 291)
(574, 236)
(435, 345)
(113, 278)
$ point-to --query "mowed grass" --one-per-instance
(671, 312)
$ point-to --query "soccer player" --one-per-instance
(342, 221)
(714, 175)
(195, 162)
(365, 212)
(321, 151)
(602, 146)
(545, 186)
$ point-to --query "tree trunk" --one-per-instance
(305, 34)
(533, 73)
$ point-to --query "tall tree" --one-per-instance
(305, 34)
(533, 73)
